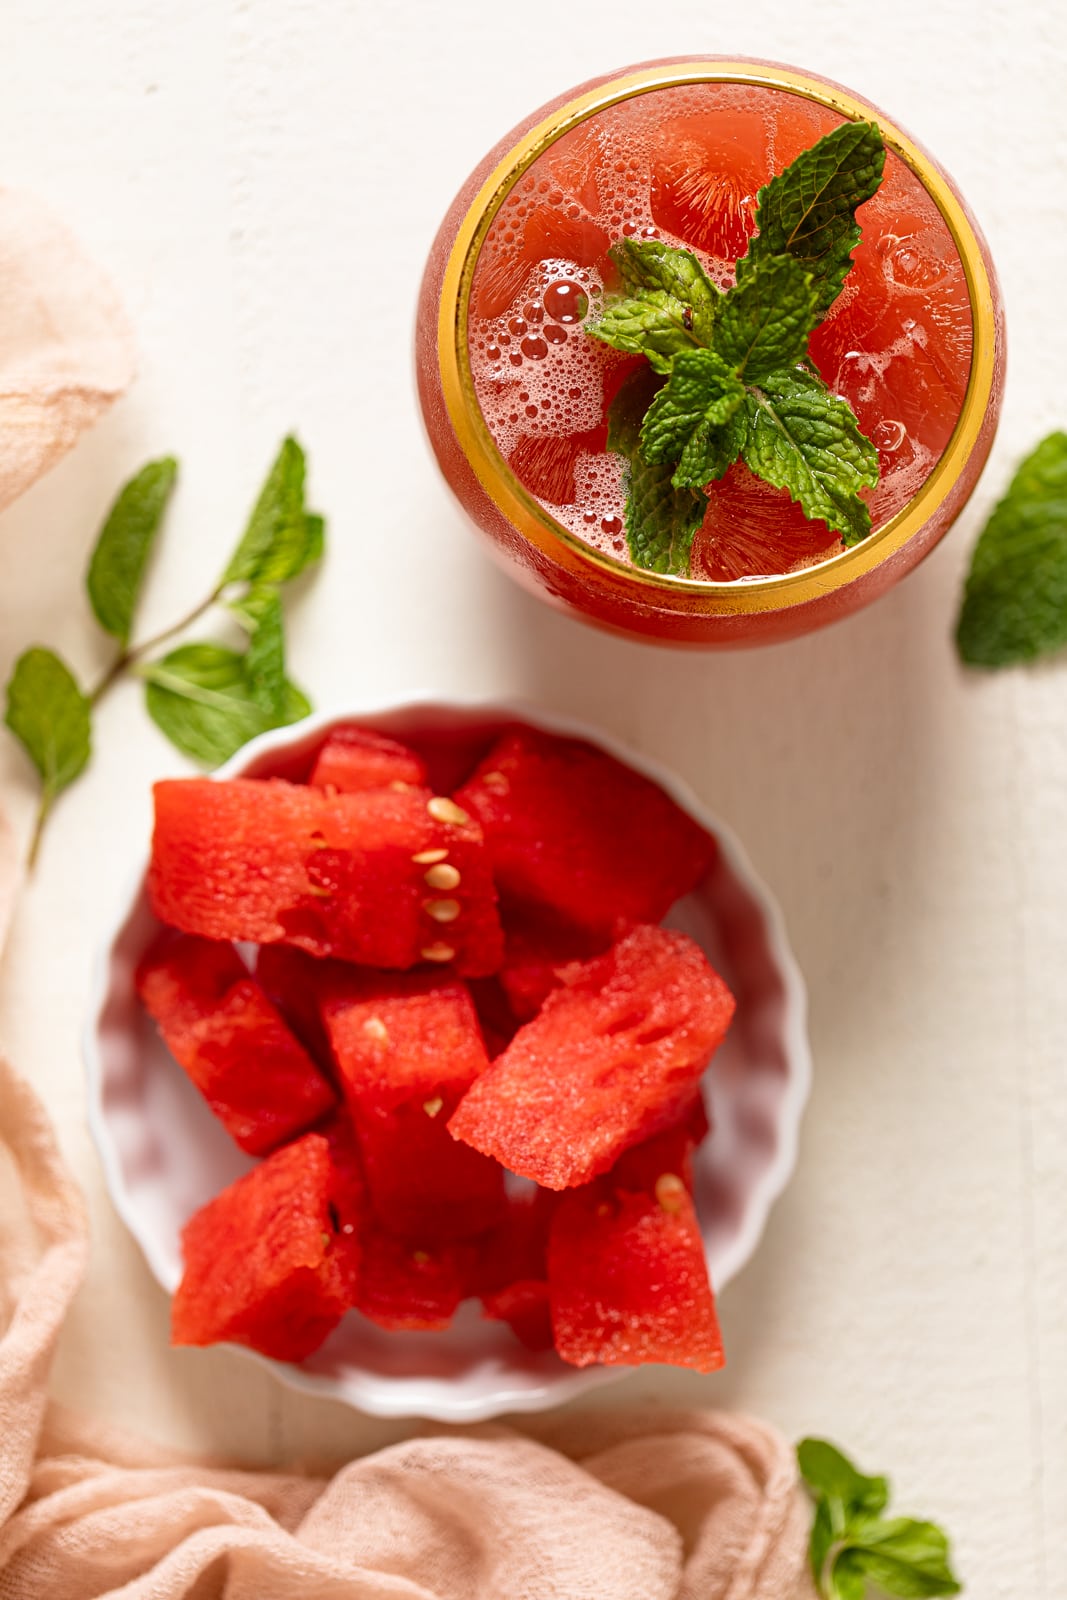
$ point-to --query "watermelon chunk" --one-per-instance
(264, 1266)
(627, 1278)
(509, 1271)
(408, 1047)
(613, 1057)
(535, 951)
(574, 831)
(405, 1286)
(293, 981)
(223, 1030)
(356, 758)
(524, 1306)
(382, 878)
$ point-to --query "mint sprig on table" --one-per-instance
(855, 1551)
(1015, 602)
(730, 373)
(208, 698)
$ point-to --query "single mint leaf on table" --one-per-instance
(808, 211)
(685, 421)
(801, 437)
(766, 320)
(51, 719)
(118, 561)
(200, 696)
(1015, 601)
(281, 537)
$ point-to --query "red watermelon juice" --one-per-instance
(516, 392)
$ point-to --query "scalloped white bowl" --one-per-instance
(164, 1154)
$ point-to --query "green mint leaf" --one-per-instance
(1015, 601)
(118, 561)
(199, 695)
(653, 326)
(670, 305)
(847, 1580)
(314, 539)
(51, 719)
(651, 264)
(901, 1557)
(660, 519)
(852, 1546)
(826, 1471)
(281, 538)
(260, 611)
(823, 1537)
(628, 409)
(766, 319)
(695, 420)
(809, 210)
(803, 438)
(700, 395)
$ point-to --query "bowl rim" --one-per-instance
(395, 1397)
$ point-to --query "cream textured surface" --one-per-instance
(263, 180)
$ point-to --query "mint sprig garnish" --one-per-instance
(1015, 602)
(209, 699)
(739, 383)
(854, 1551)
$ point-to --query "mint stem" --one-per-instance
(134, 653)
(43, 809)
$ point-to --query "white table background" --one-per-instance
(263, 179)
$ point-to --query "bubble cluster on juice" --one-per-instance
(684, 165)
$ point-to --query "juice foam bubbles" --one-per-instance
(684, 164)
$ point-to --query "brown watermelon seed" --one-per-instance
(496, 781)
(442, 809)
(670, 1191)
(439, 951)
(419, 1257)
(445, 876)
(443, 910)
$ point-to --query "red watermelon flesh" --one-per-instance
(524, 1306)
(574, 832)
(293, 980)
(613, 1057)
(355, 876)
(357, 758)
(515, 1247)
(400, 1284)
(627, 1278)
(406, 1286)
(408, 1047)
(495, 1016)
(262, 1263)
(535, 951)
(223, 1030)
